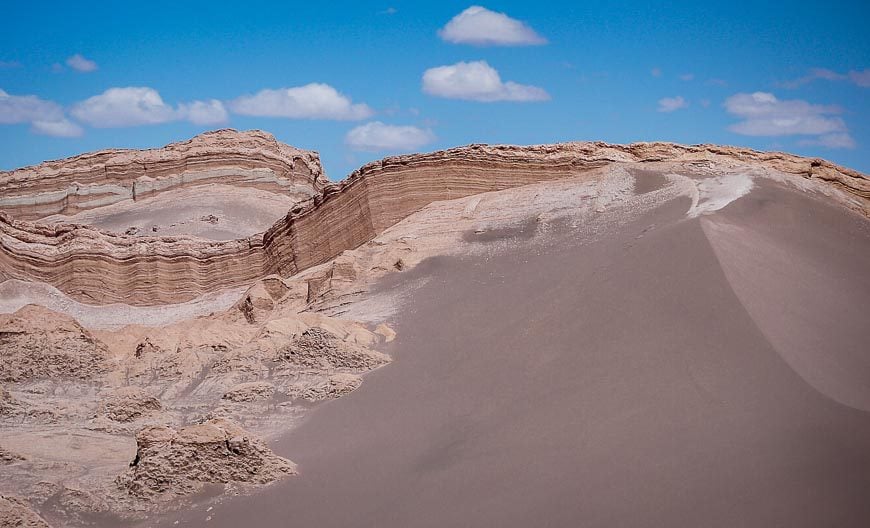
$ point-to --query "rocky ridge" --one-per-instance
(253, 158)
(101, 267)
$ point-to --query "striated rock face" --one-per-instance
(100, 267)
(179, 462)
(97, 179)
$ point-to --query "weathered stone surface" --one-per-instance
(129, 403)
(319, 349)
(36, 342)
(251, 391)
(179, 462)
(103, 267)
(334, 387)
(96, 179)
(15, 512)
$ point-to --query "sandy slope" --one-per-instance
(678, 372)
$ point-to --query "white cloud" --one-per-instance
(477, 81)
(687, 76)
(860, 78)
(479, 26)
(312, 101)
(211, 112)
(121, 107)
(765, 115)
(9, 64)
(377, 136)
(134, 106)
(45, 117)
(60, 128)
(842, 140)
(81, 64)
(656, 72)
(27, 108)
(670, 104)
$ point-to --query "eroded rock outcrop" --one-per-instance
(100, 267)
(36, 342)
(15, 512)
(172, 462)
(126, 404)
(251, 391)
(253, 158)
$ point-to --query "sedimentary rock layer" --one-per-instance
(102, 267)
(101, 178)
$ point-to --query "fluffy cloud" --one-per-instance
(134, 106)
(670, 104)
(27, 108)
(765, 115)
(477, 81)
(121, 107)
(81, 64)
(377, 136)
(45, 117)
(830, 141)
(60, 128)
(211, 112)
(312, 101)
(479, 26)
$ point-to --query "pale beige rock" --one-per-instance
(340, 217)
(7, 456)
(386, 332)
(334, 387)
(38, 343)
(8, 405)
(15, 512)
(129, 403)
(172, 462)
(251, 391)
(322, 350)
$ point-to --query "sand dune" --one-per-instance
(669, 374)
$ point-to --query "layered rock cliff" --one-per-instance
(102, 267)
(97, 179)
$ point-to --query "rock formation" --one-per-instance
(101, 178)
(101, 267)
(296, 320)
(38, 343)
(129, 403)
(14, 512)
(178, 462)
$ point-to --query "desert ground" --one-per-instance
(558, 335)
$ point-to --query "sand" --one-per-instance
(648, 378)
(214, 211)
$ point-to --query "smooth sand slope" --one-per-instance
(710, 371)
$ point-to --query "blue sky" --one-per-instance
(357, 81)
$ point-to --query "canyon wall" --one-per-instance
(100, 267)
